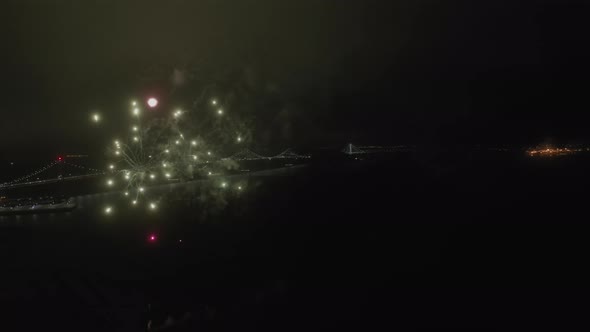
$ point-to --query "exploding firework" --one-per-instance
(177, 145)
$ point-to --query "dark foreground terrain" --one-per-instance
(489, 240)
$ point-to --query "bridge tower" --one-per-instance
(60, 166)
(351, 149)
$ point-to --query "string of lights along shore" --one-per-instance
(174, 144)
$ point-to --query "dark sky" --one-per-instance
(317, 72)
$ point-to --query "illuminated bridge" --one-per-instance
(62, 170)
(248, 154)
(55, 171)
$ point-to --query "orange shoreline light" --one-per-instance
(550, 152)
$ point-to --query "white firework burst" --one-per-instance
(178, 146)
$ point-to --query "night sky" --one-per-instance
(312, 73)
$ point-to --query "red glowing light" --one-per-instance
(152, 238)
(152, 102)
(59, 158)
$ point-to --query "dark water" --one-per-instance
(427, 240)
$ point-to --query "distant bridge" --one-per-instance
(67, 171)
(248, 154)
(73, 171)
(350, 149)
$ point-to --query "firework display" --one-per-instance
(171, 146)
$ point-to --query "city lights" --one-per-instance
(552, 151)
